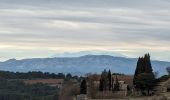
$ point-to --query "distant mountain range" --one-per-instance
(83, 53)
(80, 65)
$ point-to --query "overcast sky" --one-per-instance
(42, 28)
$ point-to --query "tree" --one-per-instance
(145, 81)
(137, 71)
(104, 80)
(168, 70)
(116, 85)
(101, 85)
(83, 87)
(144, 78)
(68, 76)
(112, 84)
(147, 63)
(61, 75)
(109, 80)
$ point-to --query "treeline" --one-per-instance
(34, 75)
(164, 77)
(17, 90)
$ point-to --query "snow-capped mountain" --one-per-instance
(83, 53)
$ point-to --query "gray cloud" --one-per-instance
(72, 25)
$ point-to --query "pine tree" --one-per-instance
(83, 87)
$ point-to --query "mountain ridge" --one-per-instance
(80, 65)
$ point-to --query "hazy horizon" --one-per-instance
(41, 28)
(84, 53)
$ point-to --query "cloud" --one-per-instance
(131, 27)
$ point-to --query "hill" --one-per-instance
(79, 65)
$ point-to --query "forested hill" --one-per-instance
(79, 65)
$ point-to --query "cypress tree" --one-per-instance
(112, 84)
(83, 87)
(139, 70)
(136, 71)
(142, 65)
(101, 85)
(105, 80)
(109, 80)
(149, 66)
(144, 76)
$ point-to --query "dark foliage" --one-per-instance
(83, 87)
(144, 78)
(116, 85)
(104, 81)
(68, 76)
(30, 75)
(108, 83)
(101, 85)
(35, 75)
(163, 78)
(120, 74)
(109, 80)
(17, 90)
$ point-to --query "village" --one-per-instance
(111, 86)
(115, 86)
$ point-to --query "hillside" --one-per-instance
(79, 65)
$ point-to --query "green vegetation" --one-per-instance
(30, 75)
(17, 90)
(144, 79)
(109, 80)
(119, 74)
(36, 75)
(107, 83)
(12, 86)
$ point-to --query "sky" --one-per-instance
(42, 28)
